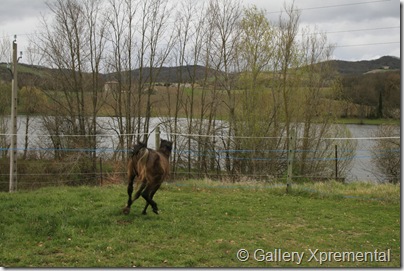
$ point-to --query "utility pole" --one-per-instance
(13, 153)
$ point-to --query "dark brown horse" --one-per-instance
(151, 168)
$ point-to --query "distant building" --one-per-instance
(111, 86)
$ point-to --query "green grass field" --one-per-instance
(203, 224)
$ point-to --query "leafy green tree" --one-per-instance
(254, 115)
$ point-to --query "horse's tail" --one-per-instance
(141, 165)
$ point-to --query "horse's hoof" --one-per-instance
(126, 210)
(156, 211)
(144, 213)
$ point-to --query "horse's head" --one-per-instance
(166, 146)
(137, 147)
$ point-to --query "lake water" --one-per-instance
(363, 168)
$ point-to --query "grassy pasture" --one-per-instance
(201, 224)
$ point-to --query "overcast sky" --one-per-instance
(360, 29)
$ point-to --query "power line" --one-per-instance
(334, 6)
(355, 30)
(363, 29)
(367, 44)
(348, 4)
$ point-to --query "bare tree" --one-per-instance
(120, 87)
(96, 45)
(225, 19)
(5, 96)
(5, 49)
(314, 112)
(210, 99)
(190, 34)
(73, 44)
(288, 63)
(182, 29)
(5, 104)
(154, 48)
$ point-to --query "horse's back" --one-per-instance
(162, 163)
(149, 165)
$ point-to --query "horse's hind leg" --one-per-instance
(126, 210)
(137, 195)
(148, 195)
(145, 208)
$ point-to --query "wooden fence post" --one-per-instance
(101, 180)
(336, 162)
(291, 154)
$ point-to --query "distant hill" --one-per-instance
(172, 74)
(162, 75)
(169, 74)
(29, 73)
(364, 66)
(188, 73)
